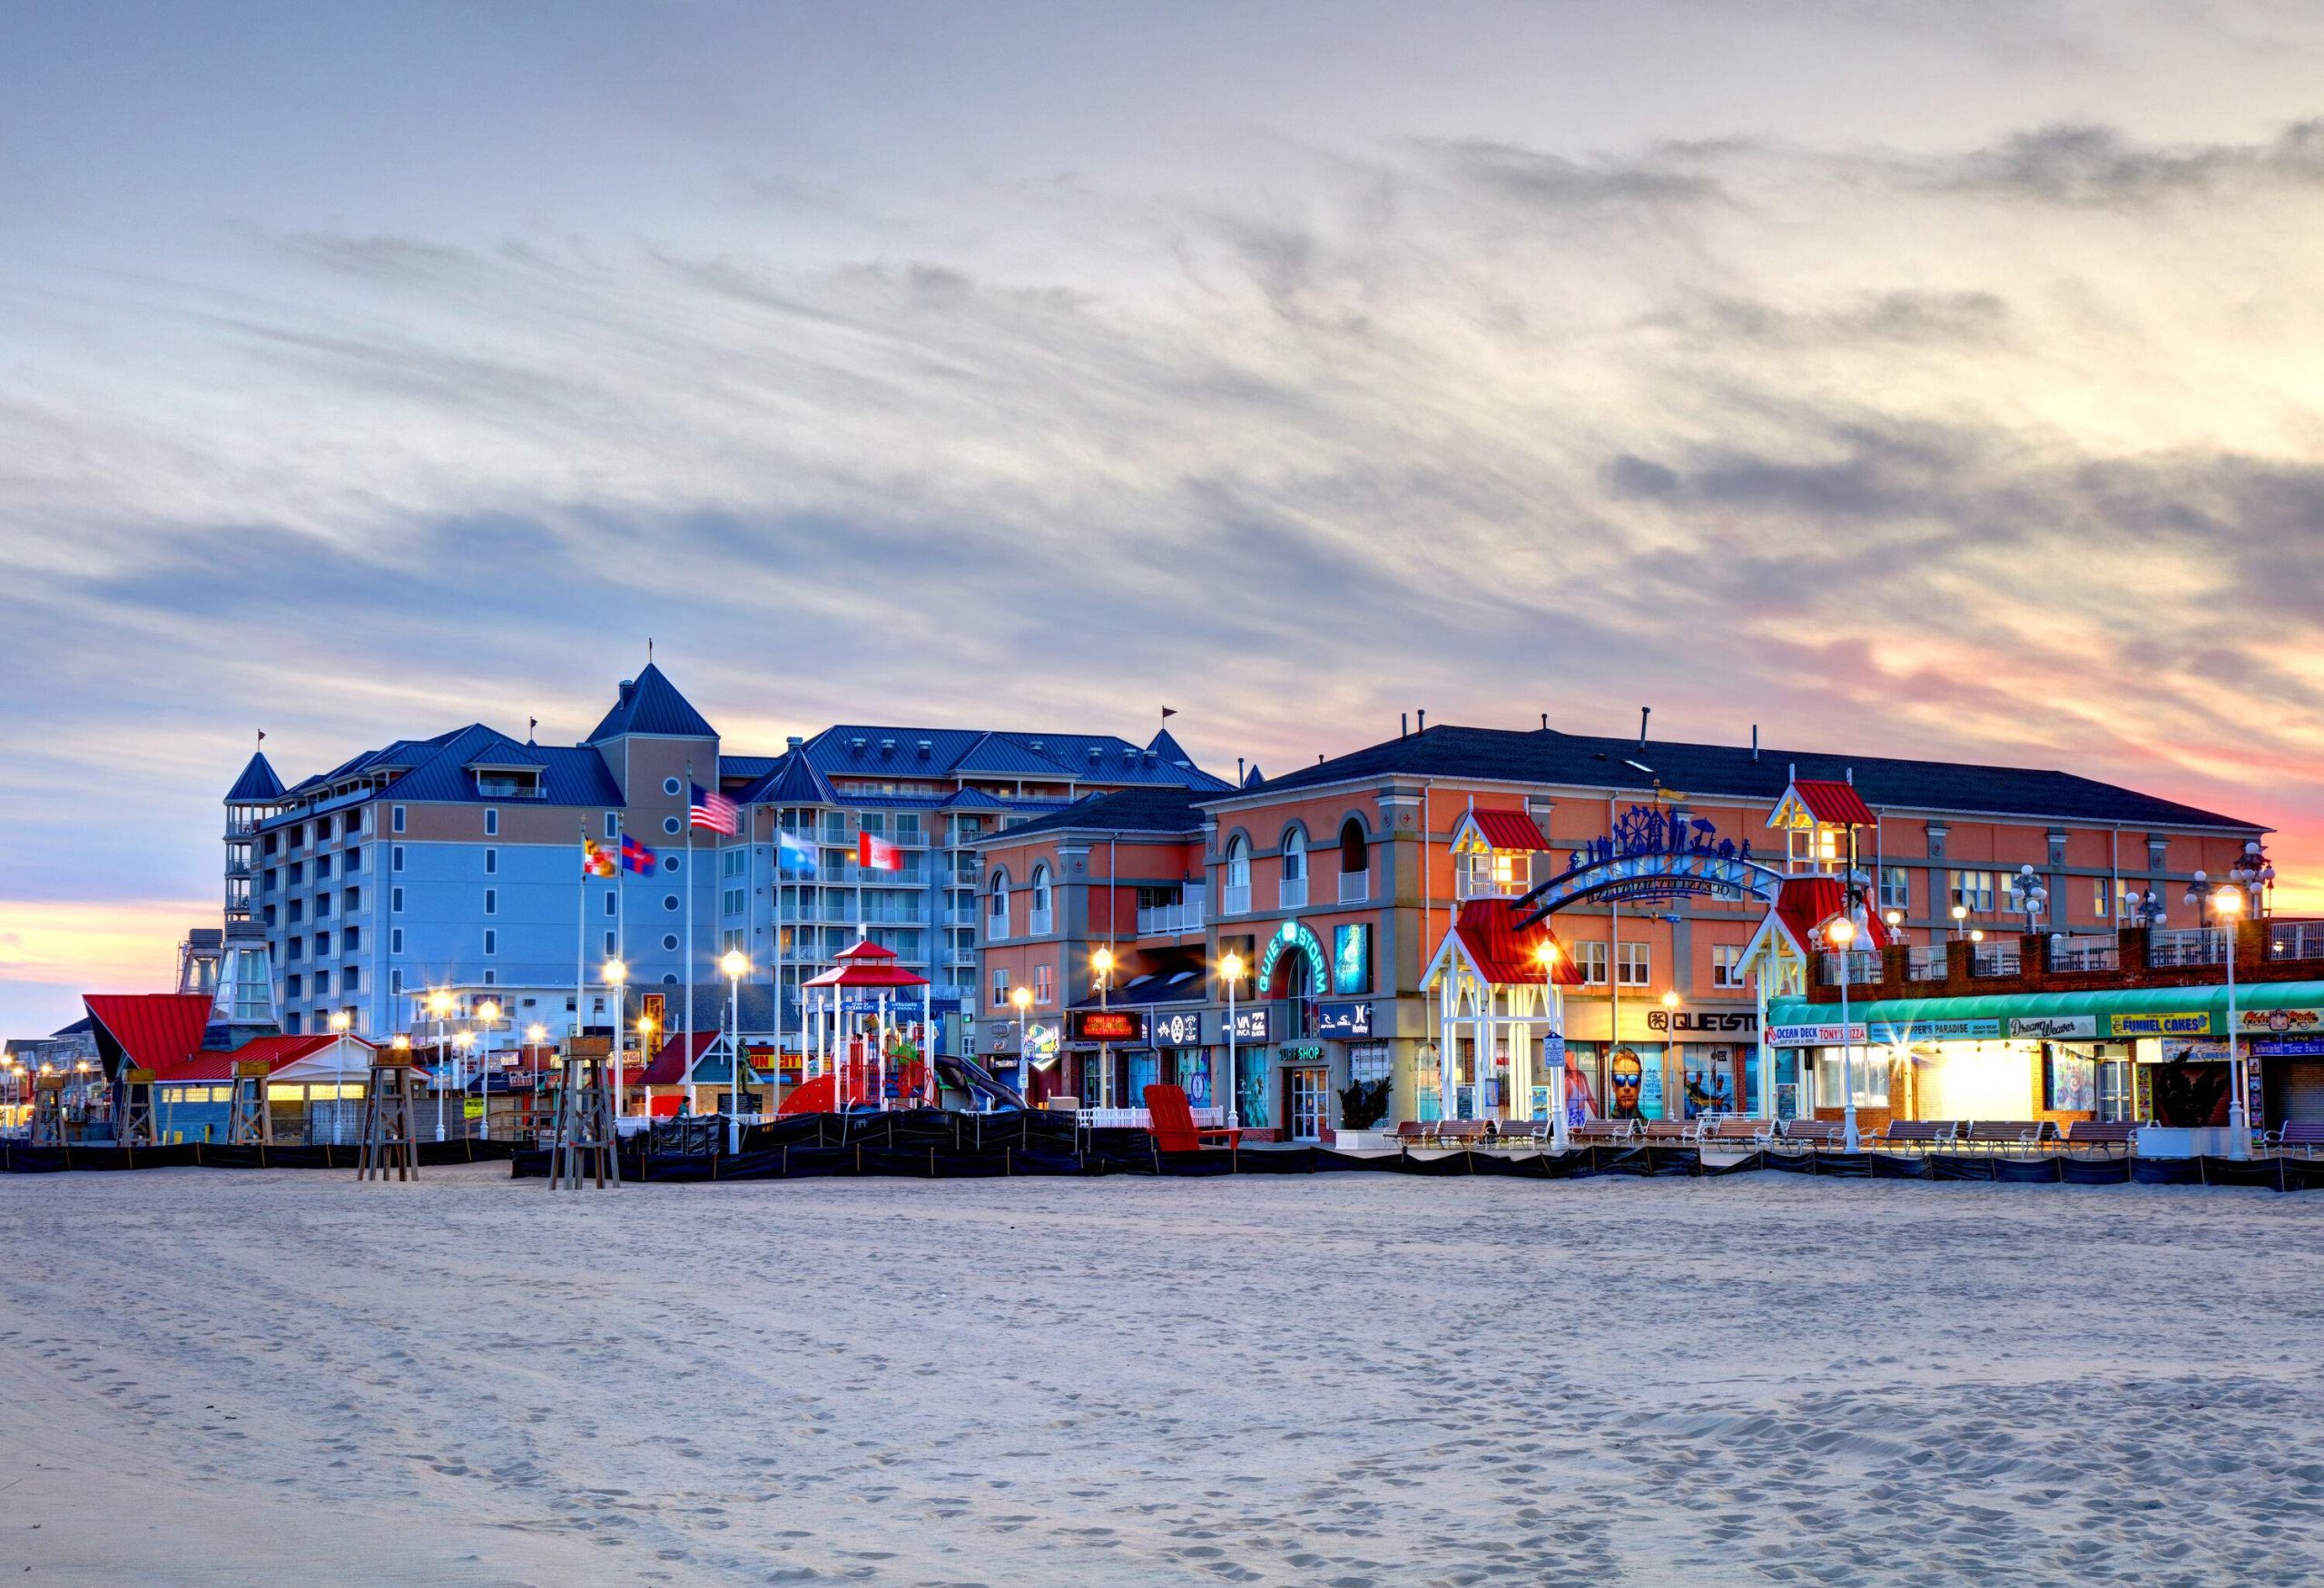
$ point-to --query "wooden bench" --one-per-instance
(1992, 1134)
(1462, 1132)
(2302, 1136)
(1522, 1132)
(1670, 1132)
(1740, 1130)
(1924, 1134)
(1416, 1133)
(2107, 1134)
(1604, 1132)
(1818, 1134)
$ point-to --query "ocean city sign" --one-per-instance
(1656, 855)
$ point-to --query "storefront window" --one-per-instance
(1870, 1073)
(2069, 1082)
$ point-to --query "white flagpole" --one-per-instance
(621, 953)
(688, 1049)
(775, 881)
(580, 953)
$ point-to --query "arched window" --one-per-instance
(998, 925)
(1238, 862)
(1354, 855)
(1041, 887)
(1295, 856)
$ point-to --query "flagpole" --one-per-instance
(688, 1049)
(621, 953)
(580, 947)
(775, 913)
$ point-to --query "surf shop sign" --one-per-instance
(1652, 855)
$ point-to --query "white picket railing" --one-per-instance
(1136, 1119)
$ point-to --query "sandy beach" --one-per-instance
(214, 1377)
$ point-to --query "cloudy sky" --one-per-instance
(1910, 378)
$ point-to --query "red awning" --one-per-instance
(218, 1064)
(1806, 903)
(1836, 802)
(1512, 830)
(1504, 954)
(862, 975)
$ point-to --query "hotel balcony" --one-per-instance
(1170, 919)
(1039, 923)
(1355, 887)
(1293, 893)
(1235, 901)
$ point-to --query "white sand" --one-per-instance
(212, 1377)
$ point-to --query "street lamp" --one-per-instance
(1230, 971)
(1960, 915)
(736, 967)
(616, 973)
(1840, 932)
(2033, 898)
(1102, 961)
(439, 1004)
(461, 1042)
(340, 1019)
(2254, 873)
(2228, 901)
(1020, 998)
(1553, 1044)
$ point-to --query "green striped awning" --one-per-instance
(2116, 1013)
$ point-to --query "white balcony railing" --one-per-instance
(1294, 895)
(1165, 920)
(1994, 960)
(1355, 887)
(2186, 946)
(1039, 923)
(1927, 965)
(2296, 940)
(1859, 968)
(2085, 954)
(996, 927)
(1236, 901)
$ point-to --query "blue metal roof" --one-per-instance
(256, 786)
(794, 781)
(651, 704)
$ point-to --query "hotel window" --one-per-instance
(491, 978)
(2101, 900)
(492, 901)
(297, 873)
(322, 944)
(613, 902)
(1974, 889)
(293, 985)
(1044, 987)
(1295, 856)
(999, 987)
(322, 905)
(732, 902)
(351, 939)
(353, 860)
(269, 914)
(1239, 864)
(907, 827)
(730, 863)
(298, 910)
(322, 982)
(491, 822)
(349, 980)
(323, 829)
(395, 857)
(395, 981)
(322, 867)
(294, 948)
(355, 822)
(1590, 958)
(395, 940)
(612, 824)
(351, 902)
(1727, 964)
(395, 901)
(491, 862)
(491, 941)
(609, 945)
(1896, 888)
(395, 819)
(1633, 967)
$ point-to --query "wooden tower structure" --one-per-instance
(137, 1108)
(248, 1122)
(48, 1108)
(582, 1143)
(391, 1115)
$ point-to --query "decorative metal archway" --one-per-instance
(1650, 855)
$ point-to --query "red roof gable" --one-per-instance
(1504, 954)
(861, 974)
(672, 1063)
(1508, 830)
(155, 1031)
(864, 948)
(1806, 903)
(1836, 802)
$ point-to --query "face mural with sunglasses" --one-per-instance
(1626, 1077)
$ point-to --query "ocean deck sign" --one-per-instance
(1817, 1036)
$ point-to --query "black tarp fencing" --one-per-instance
(22, 1157)
(932, 1144)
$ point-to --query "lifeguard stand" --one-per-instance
(137, 1108)
(48, 1108)
(583, 1132)
(388, 1114)
(248, 1122)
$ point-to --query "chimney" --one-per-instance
(1239, 772)
(1754, 742)
(1423, 722)
(793, 742)
(1403, 723)
(1545, 722)
(1644, 712)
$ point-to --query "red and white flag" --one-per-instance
(877, 854)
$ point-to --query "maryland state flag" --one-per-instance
(597, 861)
(636, 856)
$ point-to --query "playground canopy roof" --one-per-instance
(866, 964)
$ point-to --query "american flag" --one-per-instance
(714, 811)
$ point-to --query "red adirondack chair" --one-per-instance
(1172, 1122)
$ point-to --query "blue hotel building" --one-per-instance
(453, 863)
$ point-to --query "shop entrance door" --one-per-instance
(1310, 1103)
